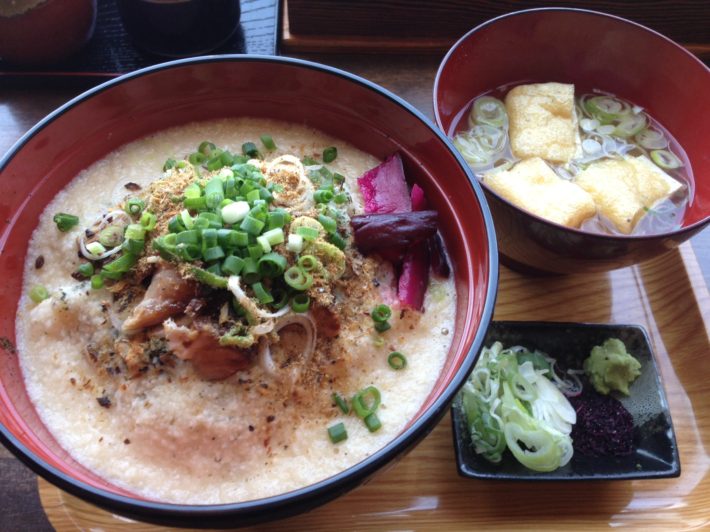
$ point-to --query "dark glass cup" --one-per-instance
(179, 28)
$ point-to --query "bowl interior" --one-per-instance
(593, 51)
(195, 90)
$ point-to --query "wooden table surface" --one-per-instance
(668, 296)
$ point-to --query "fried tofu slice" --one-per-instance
(625, 189)
(543, 121)
(532, 185)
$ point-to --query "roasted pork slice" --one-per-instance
(199, 343)
(168, 294)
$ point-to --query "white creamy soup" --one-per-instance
(174, 377)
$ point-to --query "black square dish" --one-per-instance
(656, 451)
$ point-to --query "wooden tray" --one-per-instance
(668, 296)
(421, 26)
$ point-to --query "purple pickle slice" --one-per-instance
(384, 188)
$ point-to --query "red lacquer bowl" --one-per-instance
(130, 107)
(591, 50)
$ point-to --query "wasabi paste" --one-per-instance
(610, 367)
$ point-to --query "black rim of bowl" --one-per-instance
(302, 499)
(459, 42)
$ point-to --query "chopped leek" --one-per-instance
(489, 111)
(509, 402)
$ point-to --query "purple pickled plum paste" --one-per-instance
(603, 428)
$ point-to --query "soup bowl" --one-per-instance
(593, 51)
(133, 106)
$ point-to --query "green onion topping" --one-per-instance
(366, 401)
(341, 403)
(65, 221)
(38, 293)
(268, 142)
(397, 360)
(337, 432)
(300, 303)
(381, 313)
(330, 154)
(372, 422)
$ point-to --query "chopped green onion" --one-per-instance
(208, 278)
(308, 233)
(214, 192)
(264, 243)
(381, 313)
(337, 432)
(651, 139)
(148, 220)
(253, 195)
(252, 225)
(322, 196)
(300, 303)
(330, 154)
(85, 269)
(250, 271)
(233, 338)
(340, 198)
(135, 232)
(97, 282)
(272, 265)
(341, 403)
(276, 219)
(372, 422)
(111, 236)
(38, 293)
(131, 245)
(206, 148)
(328, 223)
(175, 224)
(169, 163)
(215, 269)
(295, 243)
(366, 401)
(337, 240)
(196, 158)
(607, 109)
(630, 125)
(95, 248)
(249, 149)
(308, 262)
(189, 237)
(397, 360)
(255, 251)
(192, 191)
(488, 111)
(195, 204)
(213, 253)
(116, 268)
(187, 220)
(298, 279)
(666, 159)
(268, 142)
(261, 294)
(232, 265)
(65, 221)
(274, 236)
(134, 206)
(235, 212)
(382, 326)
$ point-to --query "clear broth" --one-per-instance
(666, 215)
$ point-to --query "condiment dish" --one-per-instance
(655, 452)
